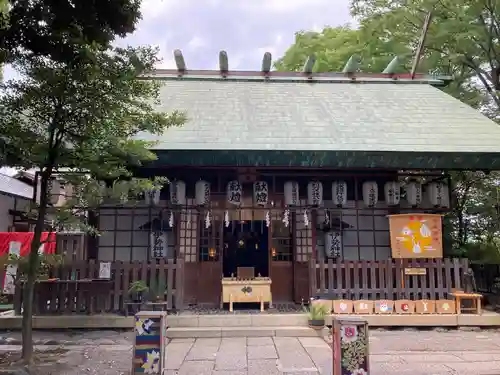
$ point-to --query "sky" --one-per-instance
(244, 28)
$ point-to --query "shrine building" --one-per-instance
(275, 171)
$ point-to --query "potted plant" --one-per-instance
(136, 290)
(157, 291)
(316, 313)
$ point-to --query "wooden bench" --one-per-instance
(474, 297)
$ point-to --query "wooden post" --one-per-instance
(150, 342)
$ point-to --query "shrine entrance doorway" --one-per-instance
(246, 244)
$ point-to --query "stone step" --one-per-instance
(242, 331)
(238, 320)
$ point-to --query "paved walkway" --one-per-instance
(407, 352)
(392, 352)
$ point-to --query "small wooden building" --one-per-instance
(274, 169)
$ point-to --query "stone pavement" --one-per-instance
(408, 352)
(402, 352)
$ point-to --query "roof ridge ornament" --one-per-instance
(267, 60)
(179, 61)
(309, 65)
(223, 63)
(352, 65)
(392, 66)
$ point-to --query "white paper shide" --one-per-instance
(234, 192)
(339, 193)
(414, 193)
(291, 191)
(370, 193)
(202, 193)
(314, 193)
(260, 193)
(392, 193)
(178, 193)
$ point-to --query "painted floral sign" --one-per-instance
(416, 236)
(353, 343)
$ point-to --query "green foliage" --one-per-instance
(139, 286)
(157, 289)
(81, 122)
(315, 311)
(57, 29)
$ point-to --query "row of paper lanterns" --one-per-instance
(437, 193)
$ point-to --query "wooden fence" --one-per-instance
(79, 289)
(485, 275)
(385, 279)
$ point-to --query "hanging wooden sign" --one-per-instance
(416, 236)
(415, 271)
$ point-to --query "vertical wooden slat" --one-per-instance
(322, 284)
(456, 273)
(347, 284)
(399, 278)
(126, 282)
(330, 277)
(356, 280)
(312, 277)
(364, 280)
(117, 272)
(179, 284)
(447, 276)
(439, 278)
(374, 268)
(170, 282)
(339, 287)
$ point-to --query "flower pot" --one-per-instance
(317, 323)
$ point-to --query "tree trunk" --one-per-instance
(29, 286)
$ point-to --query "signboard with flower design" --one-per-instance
(416, 236)
(350, 346)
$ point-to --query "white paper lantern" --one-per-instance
(292, 193)
(314, 193)
(339, 193)
(392, 192)
(438, 194)
(260, 193)
(202, 193)
(370, 193)
(333, 244)
(234, 192)
(55, 190)
(121, 191)
(414, 193)
(178, 193)
(152, 196)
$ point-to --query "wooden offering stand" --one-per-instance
(246, 288)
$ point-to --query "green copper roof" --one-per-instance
(379, 117)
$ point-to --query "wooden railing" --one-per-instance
(385, 279)
(79, 289)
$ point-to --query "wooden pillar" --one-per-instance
(149, 343)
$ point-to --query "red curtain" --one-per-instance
(25, 238)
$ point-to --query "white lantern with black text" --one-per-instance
(414, 193)
(438, 194)
(370, 193)
(333, 244)
(292, 193)
(153, 196)
(339, 193)
(159, 244)
(392, 193)
(178, 193)
(55, 191)
(234, 192)
(202, 193)
(260, 193)
(314, 193)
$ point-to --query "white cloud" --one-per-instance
(196, 42)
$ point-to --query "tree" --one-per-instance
(55, 29)
(463, 37)
(80, 121)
